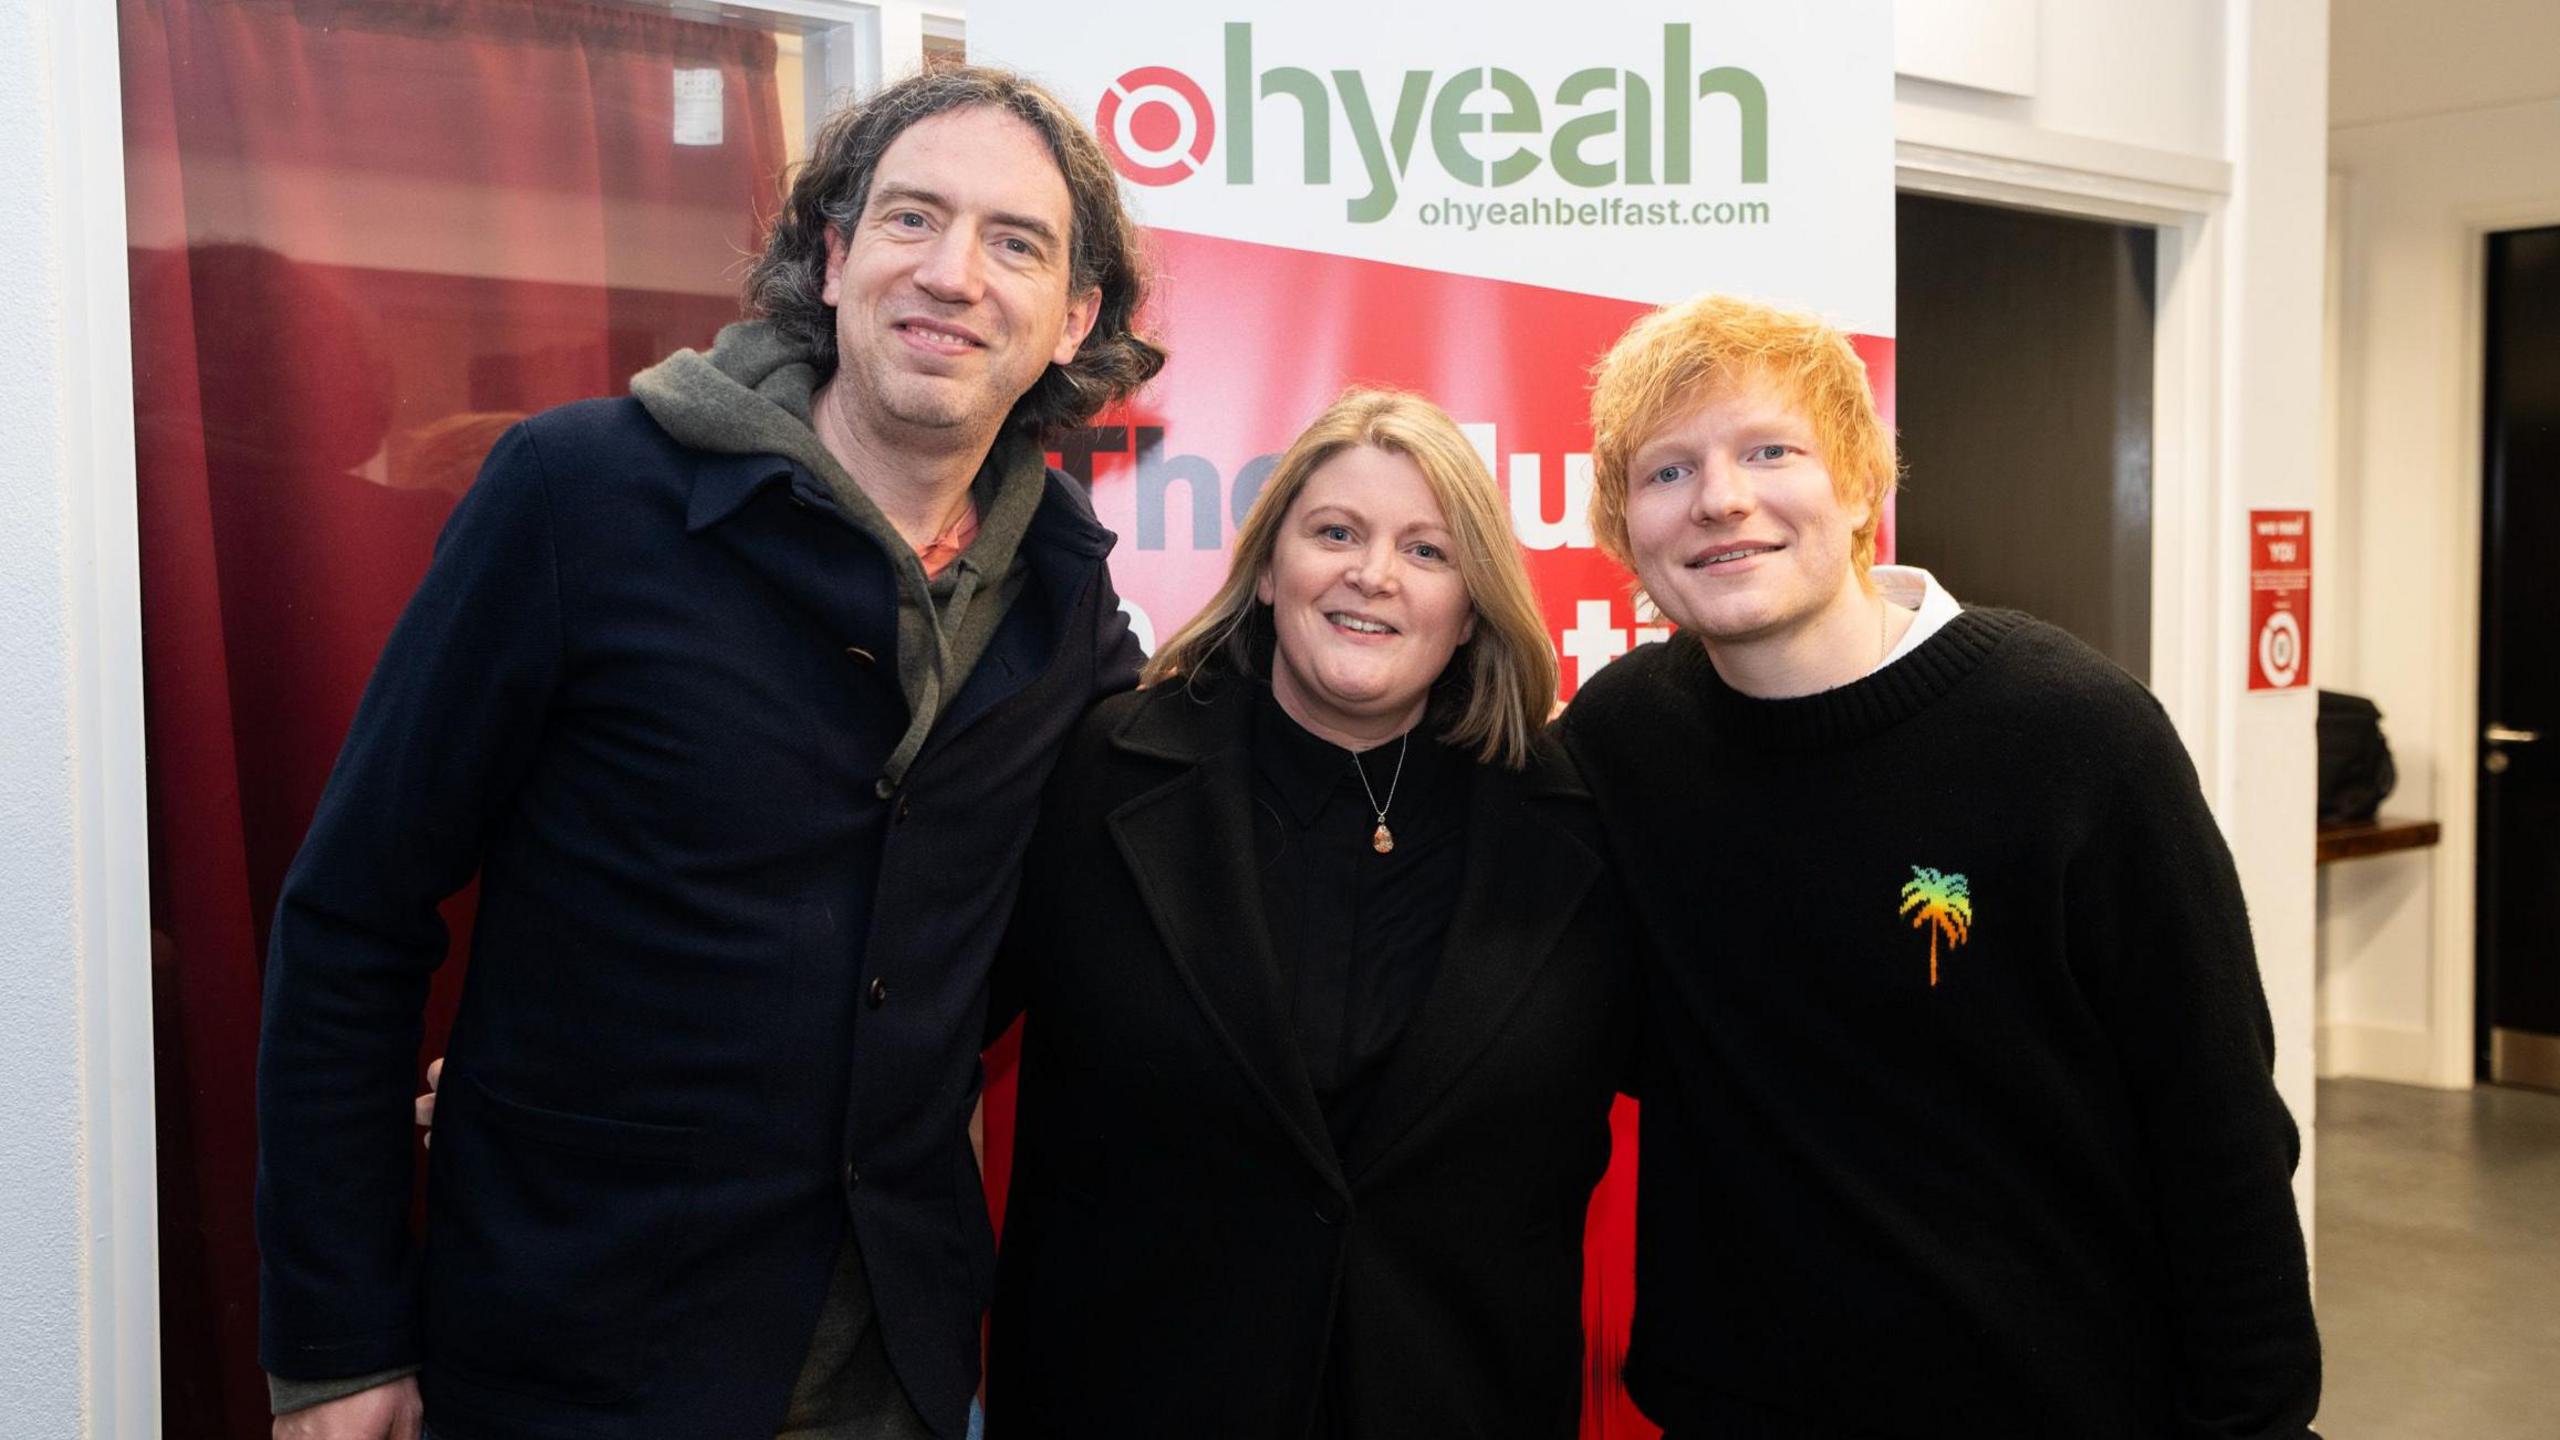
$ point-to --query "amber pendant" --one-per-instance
(1384, 840)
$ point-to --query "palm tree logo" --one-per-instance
(1944, 904)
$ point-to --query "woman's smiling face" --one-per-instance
(1366, 600)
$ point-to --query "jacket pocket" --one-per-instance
(552, 1239)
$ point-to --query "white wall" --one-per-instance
(2403, 624)
(2149, 75)
(2275, 120)
(78, 1289)
(40, 1114)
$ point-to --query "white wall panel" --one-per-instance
(1979, 44)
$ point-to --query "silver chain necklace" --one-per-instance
(1382, 839)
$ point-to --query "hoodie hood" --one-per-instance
(753, 395)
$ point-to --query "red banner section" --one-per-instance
(1263, 337)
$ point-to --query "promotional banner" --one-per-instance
(1467, 201)
(1471, 202)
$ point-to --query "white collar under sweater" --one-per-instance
(1916, 589)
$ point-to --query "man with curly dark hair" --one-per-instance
(737, 695)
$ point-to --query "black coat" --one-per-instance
(727, 988)
(1184, 1252)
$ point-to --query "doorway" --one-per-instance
(2518, 1039)
(2024, 372)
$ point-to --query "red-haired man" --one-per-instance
(1958, 1110)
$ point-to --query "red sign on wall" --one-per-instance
(2279, 599)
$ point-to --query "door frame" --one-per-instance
(2453, 1017)
(111, 846)
(2184, 198)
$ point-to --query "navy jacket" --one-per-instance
(727, 985)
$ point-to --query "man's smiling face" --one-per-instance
(951, 291)
(1734, 524)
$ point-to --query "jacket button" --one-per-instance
(1328, 1210)
(879, 993)
(902, 807)
(884, 787)
(860, 656)
(852, 1178)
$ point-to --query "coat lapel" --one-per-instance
(803, 552)
(1525, 878)
(815, 559)
(1063, 549)
(1189, 845)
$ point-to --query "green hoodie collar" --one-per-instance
(750, 398)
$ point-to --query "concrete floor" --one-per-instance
(2438, 1262)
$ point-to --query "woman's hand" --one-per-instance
(385, 1412)
(426, 1104)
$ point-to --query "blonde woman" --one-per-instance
(1328, 992)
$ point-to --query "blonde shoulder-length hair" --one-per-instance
(1501, 684)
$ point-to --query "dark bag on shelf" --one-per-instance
(2356, 774)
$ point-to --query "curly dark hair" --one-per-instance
(1105, 251)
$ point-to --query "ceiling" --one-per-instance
(2400, 59)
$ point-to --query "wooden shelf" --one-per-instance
(2360, 838)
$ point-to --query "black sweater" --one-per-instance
(1959, 1117)
(1358, 934)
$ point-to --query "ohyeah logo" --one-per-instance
(1157, 124)
(1598, 127)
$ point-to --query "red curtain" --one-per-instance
(367, 236)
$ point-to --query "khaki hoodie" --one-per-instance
(751, 396)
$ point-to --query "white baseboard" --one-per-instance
(2403, 1054)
